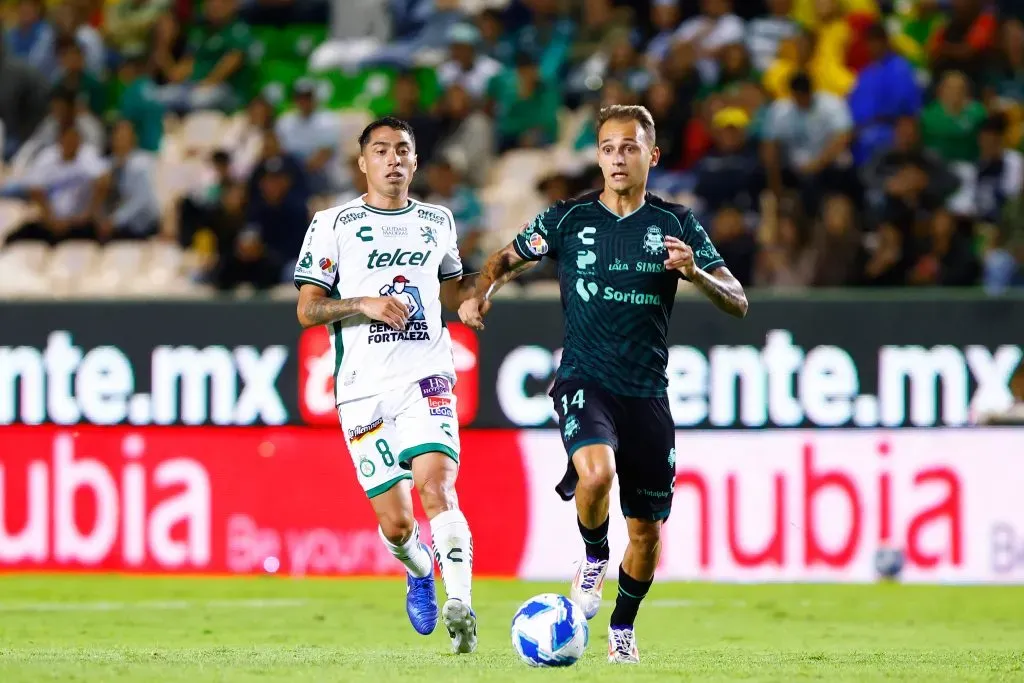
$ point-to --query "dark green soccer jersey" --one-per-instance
(616, 294)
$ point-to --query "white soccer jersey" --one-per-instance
(357, 250)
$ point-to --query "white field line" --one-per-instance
(147, 605)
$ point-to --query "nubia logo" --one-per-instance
(75, 510)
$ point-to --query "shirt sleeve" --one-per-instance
(318, 260)
(451, 262)
(539, 237)
(705, 254)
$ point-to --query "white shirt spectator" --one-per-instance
(305, 136)
(68, 184)
(725, 30)
(803, 134)
(475, 80)
(765, 35)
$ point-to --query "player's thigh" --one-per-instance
(646, 460)
(427, 422)
(372, 442)
(587, 421)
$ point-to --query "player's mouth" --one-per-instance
(619, 175)
(394, 175)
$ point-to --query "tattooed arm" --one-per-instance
(720, 286)
(503, 266)
(315, 307)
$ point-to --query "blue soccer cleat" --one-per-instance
(421, 604)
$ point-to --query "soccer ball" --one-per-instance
(550, 630)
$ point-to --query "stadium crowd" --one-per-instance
(822, 142)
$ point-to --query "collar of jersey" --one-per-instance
(622, 218)
(390, 212)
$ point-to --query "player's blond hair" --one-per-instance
(628, 112)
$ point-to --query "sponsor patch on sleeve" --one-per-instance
(435, 385)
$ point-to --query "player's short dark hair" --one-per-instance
(628, 112)
(385, 122)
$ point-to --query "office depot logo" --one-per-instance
(316, 375)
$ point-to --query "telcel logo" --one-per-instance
(398, 257)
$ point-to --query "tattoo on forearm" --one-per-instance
(501, 268)
(727, 295)
(321, 311)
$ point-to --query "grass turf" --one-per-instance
(113, 628)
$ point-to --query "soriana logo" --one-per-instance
(316, 375)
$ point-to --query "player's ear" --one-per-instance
(361, 161)
(655, 156)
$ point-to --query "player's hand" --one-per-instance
(386, 309)
(472, 312)
(680, 256)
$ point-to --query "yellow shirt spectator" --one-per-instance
(805, 14)
(826, 74)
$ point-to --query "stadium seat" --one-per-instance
(30, 256)
(72, 262)
(12, 215)
(118, 264)
(521, 167)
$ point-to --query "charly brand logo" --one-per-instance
(654, 241)
(365, 233)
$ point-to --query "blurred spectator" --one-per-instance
(65, 181)
(168, 47)
(446, 188)
(199, 209)
(354, 182)
(32, 38)
(127, 24)
(950, 124)
(963, 44)
(354, 19)
(603, 50)
(626, 65)
(547, 39)
(71, 20)
(670, 116)
(613, 92)
(65, 112)
(807, 140)
(1001, 267)
(140, 103)
(467, 136)
(839, 254)
(313, 136)
(275, 220)
(495, 42)
(465, 66)
(214, 72)
(907, 179)
(735, 243)
(889, 263)
(285, 12)
(766, 34)
(885, 90)
(801, 54)
(1004, 84)
(785, 259)
(133, 211)
(1000, 171)
(22, 101)
(665, 18)
(730, 175)
(287, 164)
(71, 75)
(527, 107)
(735, 71)
(917, 23)
(709, 32)
(601, 24)
(427, 125)
(248, 147)
(948, 258)
(808, 12)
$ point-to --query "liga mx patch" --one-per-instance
(538, 245)
(434, 385)
(328, 266)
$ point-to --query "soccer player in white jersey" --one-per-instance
(376, 271)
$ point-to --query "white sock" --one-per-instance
(411, 553)
(453, 550)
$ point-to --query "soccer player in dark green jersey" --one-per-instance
(620, 254)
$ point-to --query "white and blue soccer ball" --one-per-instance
(550, 630)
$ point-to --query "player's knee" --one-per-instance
(437, 494)
(596, 478)
(397, 527)
(645, 538)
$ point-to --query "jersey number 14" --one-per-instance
(577, 400)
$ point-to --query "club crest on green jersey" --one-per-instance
(654, 241)
(572, 427)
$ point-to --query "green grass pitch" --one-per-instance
(113, 628)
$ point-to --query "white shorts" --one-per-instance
(386, 431)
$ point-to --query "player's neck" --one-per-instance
(623, 204)
(383, 202)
